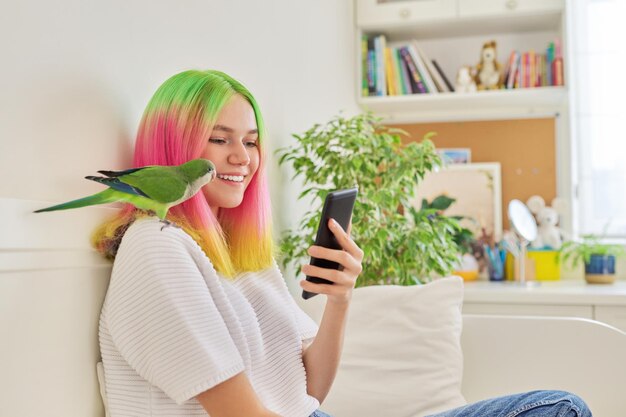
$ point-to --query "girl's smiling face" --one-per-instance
(233, 148)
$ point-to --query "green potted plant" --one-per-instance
(403, 245)
(599, 258)
(467, 265)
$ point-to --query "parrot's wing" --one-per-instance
(113, 174)
(160, 183)
(118, 185)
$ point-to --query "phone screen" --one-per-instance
(338, 205)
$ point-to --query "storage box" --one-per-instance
(543, 262)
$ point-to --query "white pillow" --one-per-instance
(402, 352)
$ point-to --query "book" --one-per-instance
(438, 81)
(549, 61)
(397, 64)
(443, 76)
(510, 68)
(505, 71)
(539, 66)
(390, 73)
(524, 80)
(421, 68)
(532, 67)
(381, 78)
(518, 74)
(544, 71)
(417, 85)
(364, 67)
(371, 67)
(406, 78)
(558, 64)
(558, 71)
(513, 69)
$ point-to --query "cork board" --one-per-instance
(525, 148)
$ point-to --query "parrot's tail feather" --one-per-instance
(103, 197)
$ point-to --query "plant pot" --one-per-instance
(466, 267)
(600, 269)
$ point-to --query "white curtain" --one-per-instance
(598, 47)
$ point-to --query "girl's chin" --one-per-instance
(224, 203)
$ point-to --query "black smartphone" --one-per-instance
(338, 205)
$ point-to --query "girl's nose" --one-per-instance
(239, 155)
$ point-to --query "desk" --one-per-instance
(573, 298)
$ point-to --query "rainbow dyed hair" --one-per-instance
(174, 129)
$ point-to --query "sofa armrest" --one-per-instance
(504, 354)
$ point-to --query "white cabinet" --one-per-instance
(452, 32)
(604, 303)
(582, 311)
(613, 315)
(481, 8)
(380, 12)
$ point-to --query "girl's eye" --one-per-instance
(251, 144)
(217, 140)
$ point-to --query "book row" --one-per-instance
(530, 69)
(390, 71)
(406, 69)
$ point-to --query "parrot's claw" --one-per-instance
(167, 223)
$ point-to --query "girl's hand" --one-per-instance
(350, 260)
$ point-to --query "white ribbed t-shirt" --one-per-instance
(171, 327)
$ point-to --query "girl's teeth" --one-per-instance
(232, 178)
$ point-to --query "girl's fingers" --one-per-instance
(344, 240)
(327, 289)
(342, 257)
(333, 275)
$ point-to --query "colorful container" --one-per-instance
(546, 266)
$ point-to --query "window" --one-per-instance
(599, 114)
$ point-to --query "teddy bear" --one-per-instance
(465, 80)
(548, 234)
(488, 76)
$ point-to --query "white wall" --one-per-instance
(77, 74)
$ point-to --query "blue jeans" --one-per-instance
(527, 404)
(318, 413)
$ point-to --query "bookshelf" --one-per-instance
(497, 104)
(452, 32)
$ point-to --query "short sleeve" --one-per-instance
(307, 328)
(164, 319)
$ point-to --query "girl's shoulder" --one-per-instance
(150, 234)
(149, 246)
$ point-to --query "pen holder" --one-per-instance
(495, 274)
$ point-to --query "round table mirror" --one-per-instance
(525, 226)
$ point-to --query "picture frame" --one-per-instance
(477, 188)
(455, 155)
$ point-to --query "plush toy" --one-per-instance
(548, 234)
(488, 69)
(465, 80)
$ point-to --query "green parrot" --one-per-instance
(153, 188)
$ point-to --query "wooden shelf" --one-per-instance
(489, 25)
(481, 105)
